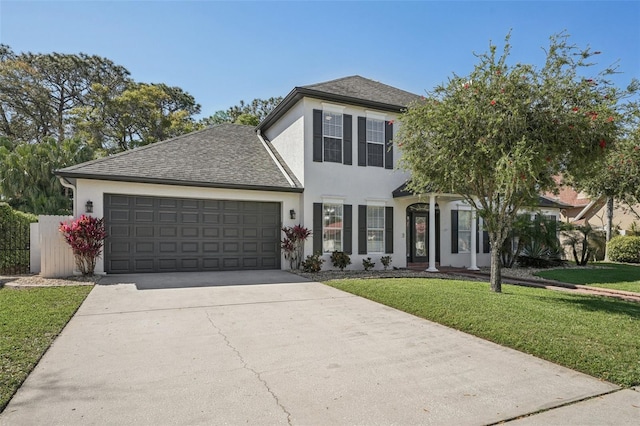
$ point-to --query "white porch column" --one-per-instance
(474, 231)
(432, 234)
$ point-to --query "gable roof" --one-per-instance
(353, 90)
(222, 156)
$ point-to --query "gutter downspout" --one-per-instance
(67, 184)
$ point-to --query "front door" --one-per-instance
(418, 232)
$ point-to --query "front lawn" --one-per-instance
(595, 335)
(617, 276)
(29, 321)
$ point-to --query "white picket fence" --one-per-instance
(51, 256)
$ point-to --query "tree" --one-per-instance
(27, 182)
(619, 178)
(39, 91)
(140, 115)
(498, 136)
(258, 109)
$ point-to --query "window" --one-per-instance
(332, 136)
(464, 231)
(332, 228)
(375, 142)
(375, 229)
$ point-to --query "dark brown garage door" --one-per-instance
(154, 234)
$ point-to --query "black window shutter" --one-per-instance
(317, 227)
(347, 229)
(362, 229)
(347, 137)
(317, 135)
(388, 230)
(454, 231)
(362, 141)
(388, 145)
(486, 247)
(477, 234)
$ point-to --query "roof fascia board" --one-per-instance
(136, 179)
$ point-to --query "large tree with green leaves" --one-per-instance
(499, 135)
(27, 182)
(38, 92)
(251, 113)
(139, 115)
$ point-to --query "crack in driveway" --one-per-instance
(246, 366)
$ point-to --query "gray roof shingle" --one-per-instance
(358, 87)
(352, 90)
(226, 155)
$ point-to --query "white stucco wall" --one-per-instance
(353, 184)
(287, 136)
(94, 190)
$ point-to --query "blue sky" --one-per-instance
(222, 52)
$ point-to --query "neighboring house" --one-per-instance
(216, 199)
(580, 208)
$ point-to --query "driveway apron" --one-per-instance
(275, 349)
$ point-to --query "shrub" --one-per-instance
(583, 241)
(86, 237)
(313, 262)
(624, 249)
(367, 263)
(293, 244)
(386, 261)
(340, 259)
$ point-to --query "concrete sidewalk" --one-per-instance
(288, 352)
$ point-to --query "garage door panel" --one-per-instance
(145, 231)
(210, 232)
(168, 247)
(167, 265)
(168, 232)
(143, 216)
(118, 215)
(119, 231)
(144, 247)
(190, 232)
(158, 234)
(168, 217)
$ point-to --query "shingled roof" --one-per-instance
(353, 90)
(222, 156)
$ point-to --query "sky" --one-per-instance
(222, 52)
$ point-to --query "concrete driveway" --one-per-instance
(270, 348)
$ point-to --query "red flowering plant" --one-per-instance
(86, 237)
(293, 244)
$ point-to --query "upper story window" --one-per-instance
(375, 145)
(375, 142)
(332, 136)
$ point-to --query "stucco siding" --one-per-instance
(287, 136)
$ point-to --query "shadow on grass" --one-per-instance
(599, 304)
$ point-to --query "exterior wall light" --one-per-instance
(292, 214)
(88, 207)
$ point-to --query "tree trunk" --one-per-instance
(609, 225)
(496, 269)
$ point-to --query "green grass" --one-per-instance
(616, 276)
(596, 335)
(30, 320)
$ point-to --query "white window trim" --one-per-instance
(376, 202)
(375, 115)
(332, 199)
(339, 202)
(468, 209)
(336, 109)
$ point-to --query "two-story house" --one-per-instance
(325, 158)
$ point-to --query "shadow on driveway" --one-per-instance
(166, 280)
